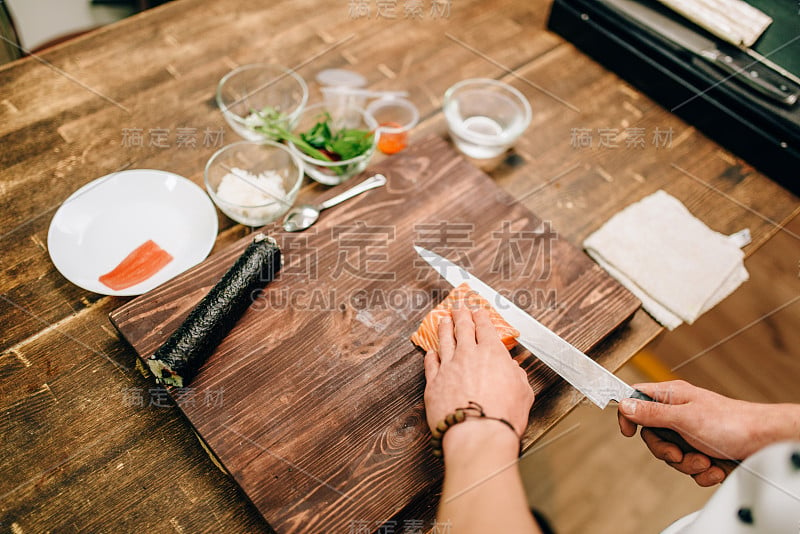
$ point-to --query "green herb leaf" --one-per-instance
(320, 133)
(320, 142)
(274, 125)
(350, 143)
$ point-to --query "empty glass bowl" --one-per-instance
(334, 172)
(250, 88)
(254, 183)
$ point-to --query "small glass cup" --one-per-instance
(395, 117)
(485, 117)
(251, 88)
(334, 172)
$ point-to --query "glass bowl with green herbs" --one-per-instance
(246, 90)
(334, 143)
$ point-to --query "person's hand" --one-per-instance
(482, 489)
(717, 426)
(473, 365)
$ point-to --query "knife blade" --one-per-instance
(723, 56)
(586, 375)
(599, 384)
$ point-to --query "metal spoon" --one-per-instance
(301, 217)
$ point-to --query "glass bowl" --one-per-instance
(253, 87)
(485, 117)
(334, 172)
(253, 183)
(395, 117)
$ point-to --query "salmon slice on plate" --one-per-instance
(427, 335)
(145, 261)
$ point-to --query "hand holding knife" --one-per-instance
(590, 378)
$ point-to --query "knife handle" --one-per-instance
(667, 434)
(754, 74)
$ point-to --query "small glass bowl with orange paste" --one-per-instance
(395, 116)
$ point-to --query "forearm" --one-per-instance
(483, 490)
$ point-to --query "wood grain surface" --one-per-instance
(321, 419)
(86, 444)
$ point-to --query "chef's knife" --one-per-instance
(723, 56)
(586, 375)
(599, 384)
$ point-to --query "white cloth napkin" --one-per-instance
(676, 265)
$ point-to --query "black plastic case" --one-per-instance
(765, 134)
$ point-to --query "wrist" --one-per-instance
(480, 436)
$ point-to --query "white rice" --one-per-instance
(260, 197)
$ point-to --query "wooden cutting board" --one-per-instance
(313, 403)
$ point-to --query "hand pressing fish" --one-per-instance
(462, 296)
(177, 361)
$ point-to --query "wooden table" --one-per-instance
(78, 452)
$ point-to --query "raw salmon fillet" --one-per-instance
(462, 296)
(145, 261)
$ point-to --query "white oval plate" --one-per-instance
(108, 218)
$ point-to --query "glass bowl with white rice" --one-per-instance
(254, 183)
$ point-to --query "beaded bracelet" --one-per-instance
(473, 409)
